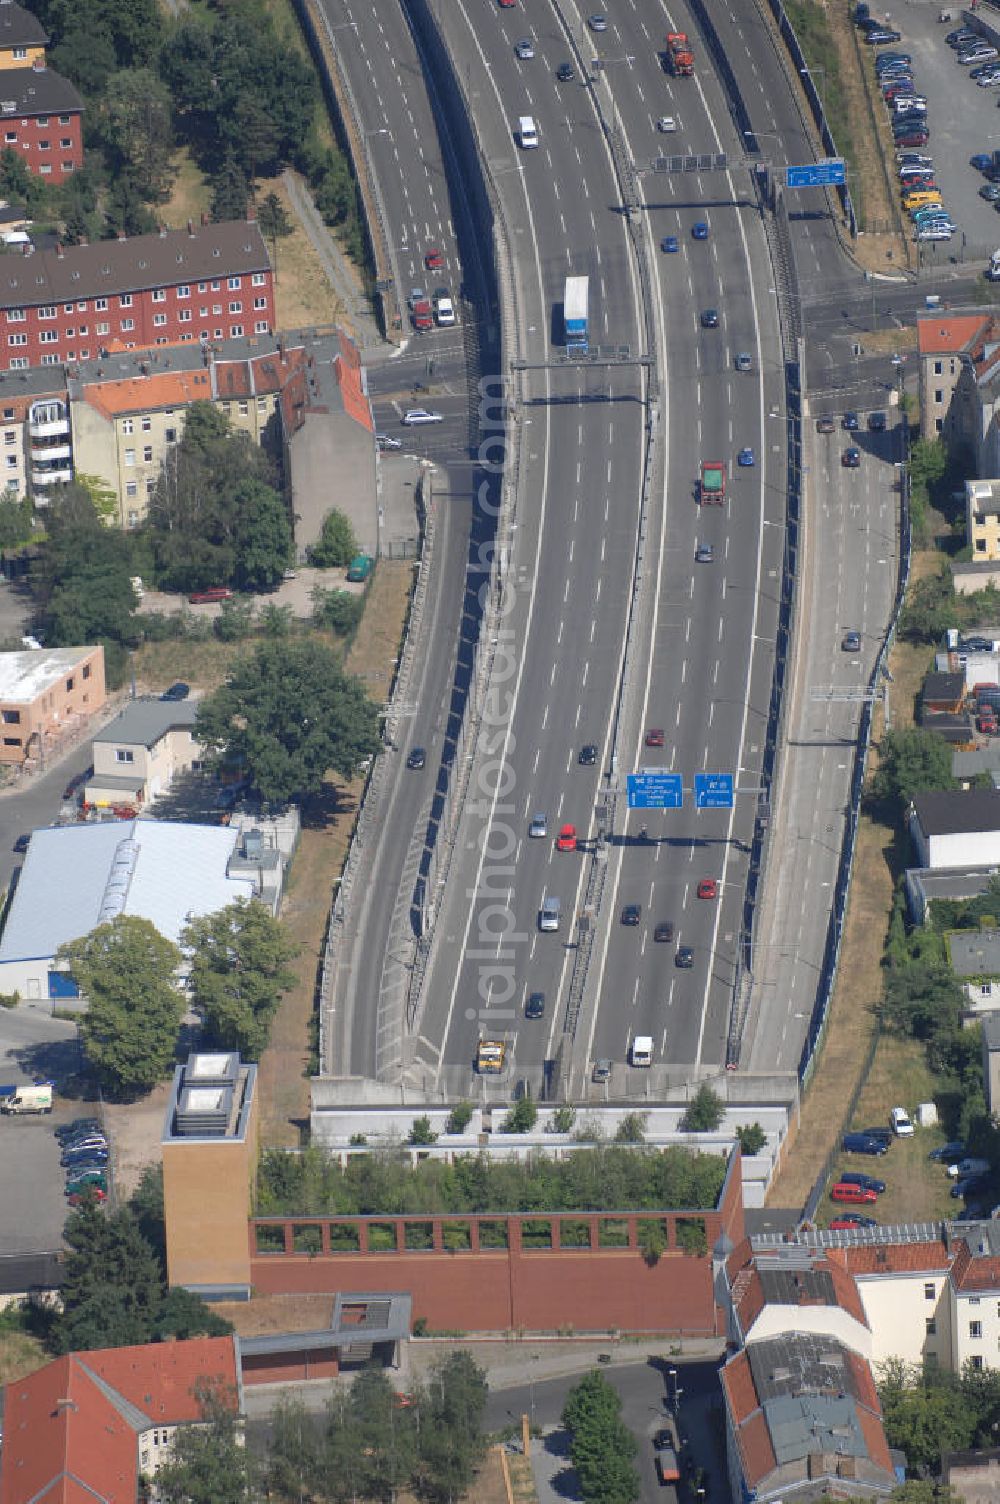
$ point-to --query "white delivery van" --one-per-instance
(642, 1050)
(527, 133)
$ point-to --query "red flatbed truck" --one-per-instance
(713, 483)
(680, 58)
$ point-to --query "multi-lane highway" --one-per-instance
(703, 631)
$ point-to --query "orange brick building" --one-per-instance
(44, 694)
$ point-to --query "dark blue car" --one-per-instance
(864, 1143)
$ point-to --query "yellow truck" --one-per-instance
(490, 1056)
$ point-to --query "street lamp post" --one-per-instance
(809, 73)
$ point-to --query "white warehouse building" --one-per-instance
(956, 828)
(76, 877)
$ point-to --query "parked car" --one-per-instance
(899, 1120)
(856, 1194)
(77, 1127)
(178, 691)
(949, 1153)
(968, 1166)
(845, 1221)
(89, 1177)
(90, 1193)
(858, 1177)
(864, 1143)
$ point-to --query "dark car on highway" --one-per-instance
(825, 425)
(535, 1006)
(631, 913)
(684, 957)
(851, 458)
(416, 759)
(588, 755)
(664, 930)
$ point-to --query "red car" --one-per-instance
(708, 888)
(434, 260)
(212, 593)
(422, 316)
(92, 1193)
(654, 737)
(858, 1195)
(567, 838)
(507, 4)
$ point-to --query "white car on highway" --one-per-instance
(444, 308)
(415, 415)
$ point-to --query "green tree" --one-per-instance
(421, 1131)
(146, 1206)
(459, 1118)
(289, 715)
(16, 522)
(125, 969)
(230, 190)
(262, 535)
(652, 1239)
(112, 1282)
(632, 1128)
(704, 1112)
(522, 1116)
(924, 1414)
(293, 1458)
(337, 610)
(911, 761)
(208, 1464)
(135, 126)
(274, 222)
(601, 1447)
(337, 544)
(239, 970)
(86, 580)
(752, 1138)
(451, 1443)
(183, 1315)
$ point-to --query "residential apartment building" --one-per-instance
(209, 282)
(45, 693)
(97, 1424)
(41, 113)
(959, 355)
(982, 518)
(802, 1412)
(139, 754)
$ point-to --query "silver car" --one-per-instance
(539, 827)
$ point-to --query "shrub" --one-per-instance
(422, 1132)
(459, 1118)
(752, 1139)
(705, 1111)
(522, 1117)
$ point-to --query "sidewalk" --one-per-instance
(341, 273)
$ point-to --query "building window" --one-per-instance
(125, 300)
(124, 754)
(151, 485)
(127, 425)
(12, 462)
(258, 279)
(16, 316)
(48, 336)
(184, 316)
(102, 328)
(159, 295)
(171, 435)
(975, 1331)
(84, 331)
(50, 360)
(45, 170)
(929, 1292)
(976, 1363)
(183, 291)
(10, 137)
(128, 324)
(10, 436)
(19, 363)
(938, 368)
(236, 331)
(234, 284)
(12, 718)
(216, 309)
(930, 1325)
(147, 423)
(44, 145)
(48, 312)
(101, 305)
(147, 454)
(244, 409)
(216, 285)
(973, 1300)
(260, 327)
(17, 339)
(131, 488)
(159, 319)
(259, 303)
(12, 741)
(130, 456)
(65, 143)
(133, 519)
(236, 308)
(69, 686)
(939, 395)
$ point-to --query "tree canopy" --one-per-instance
(601, 1446)
(208, 1464)
(239, 970)
(337, 544)
(126, 971)
(911, 761)
(289, 715)
(87, 575)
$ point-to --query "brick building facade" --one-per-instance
(208, 282)
(41, 112)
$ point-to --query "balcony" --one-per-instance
(43, 478)
(41, 454)
(57, 428)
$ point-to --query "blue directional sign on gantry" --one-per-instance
(830, 172)
(713, 791)
(655, 788)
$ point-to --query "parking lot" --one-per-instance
(963, 120)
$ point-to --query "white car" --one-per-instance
(415, 415)
(666, 124)
(444, 308)
(899, 1120)
(539, 827)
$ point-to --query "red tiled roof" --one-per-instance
(146, 393)
(847, 1292)
(974, 1272)
(352, 393)
(748, 1297)
(739, 1387)
(741, 1255)
(67, 1436)
(873, 1431)
(754, 1441)
(947, 334)
(864, 1382)
(894, 1258)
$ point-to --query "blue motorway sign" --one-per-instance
(816, 174)
(713, 791)
(655, 788)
